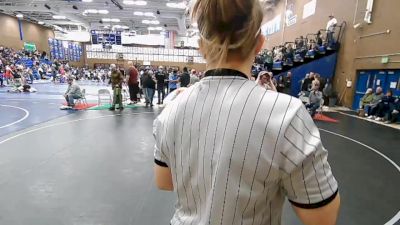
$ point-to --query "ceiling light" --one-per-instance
(57, 17)
(138, 13)
(102, 11)
(130, 2)
(155, 28)
(180, 5)
(149, 14)
(94, 11)
(41, 22)
(155, 22)
(110, 20)
(87, 0)
(19, 15)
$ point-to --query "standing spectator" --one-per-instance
(307, 83)
(185, 78)
(288, 83)
(116, 83)
(330, 30)
(233, 156)
(160, 77)
(315, 98)
(281, 84)
(149, 86)
(133, 83)
(327, 92)
(173, 81)
(8, 74)
(193, 77)
(1, 76)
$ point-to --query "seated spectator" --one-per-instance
(393, 115)
(376, 98)
(367, 98)
(383, 107)
(73, 92)
(315, 98)
(265, 80)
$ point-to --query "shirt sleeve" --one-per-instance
(307, 177)
(160, 156)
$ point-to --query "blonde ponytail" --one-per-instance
(227, 26)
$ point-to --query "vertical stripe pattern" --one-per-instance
(236, 151)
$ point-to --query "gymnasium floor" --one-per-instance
(95, 167)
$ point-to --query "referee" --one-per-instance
(232, 150)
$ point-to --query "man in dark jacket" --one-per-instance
(149, 86)
(160, 77)
(185, 78)
(116, 83)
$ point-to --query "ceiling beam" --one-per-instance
(42, 9)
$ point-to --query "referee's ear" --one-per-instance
(259, 44)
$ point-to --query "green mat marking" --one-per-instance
(107, 106)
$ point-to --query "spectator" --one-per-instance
(269, 61)
(149, 86)
(1, 77)
(185, 78)
(393, 113)
(73, 92)
(193, 77)
(376, 98)
(264, 80)
(281, 84)
(160, 77)
(328, 92)
(330, 29)
(367, 98)
(315, 98)
(288, 83)
(383, 107)
(173, 81)
(133, 83)
(306, 86)
(116, 83)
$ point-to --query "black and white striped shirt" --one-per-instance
(236, 151)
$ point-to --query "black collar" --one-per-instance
(225, 72)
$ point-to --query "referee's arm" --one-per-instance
(325, 215)
(308, 180)
(162, 172)
(163, 177)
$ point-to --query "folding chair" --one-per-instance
(104, 95)
(321, 105)
(82, 99)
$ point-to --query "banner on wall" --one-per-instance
(30, 46)
(272, 26)
(290, 16)
(309, 9)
